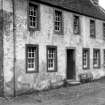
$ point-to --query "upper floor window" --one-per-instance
(104, 31)
(33, 16)
(104, 58)
(58, 22)
(76, 25)
(96, 58)
(92, 28)
(85, 58)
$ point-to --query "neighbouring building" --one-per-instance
(43, 42)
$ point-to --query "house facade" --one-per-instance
(45, 42)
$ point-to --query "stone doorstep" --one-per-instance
(73, 82)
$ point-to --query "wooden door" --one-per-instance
(70, 63)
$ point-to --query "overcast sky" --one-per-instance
(102, 3)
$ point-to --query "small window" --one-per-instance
(76, 25)
(33, 16)
(92, 28)
(31, 58)
(104, 58)
(96, 58)
(58, 22)
(85, 58)
(51, 59)
(104, 31)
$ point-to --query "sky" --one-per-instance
(102, 3)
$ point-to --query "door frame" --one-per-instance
(74, 49)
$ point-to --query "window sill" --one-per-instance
(86, 68)
(93, 37)
(34, 29)
(32, 72)
(58, 32)
(76, 33)
(52, 71)
(96, 67)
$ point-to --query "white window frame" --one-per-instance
(86, 55)
(51, 58)
(96, 58)
(92, 29)
(104, 31)
(104, 57)
(58, 21)
(76, 24)
(31, 58)
(34, 16)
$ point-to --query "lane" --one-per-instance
(85, 94)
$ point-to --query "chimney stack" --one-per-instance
(96, 2)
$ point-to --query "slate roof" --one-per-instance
(83, 7)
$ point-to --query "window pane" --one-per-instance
(85, 58)
(31, 57)
(92, 28)
(104, 30)
(96, 58)
(76, 25)
(51, 61)
(33, 16)
(58, 21)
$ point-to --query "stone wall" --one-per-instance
(8, 47)
(43, 79)
(1, 51)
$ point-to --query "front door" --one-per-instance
(70, 63)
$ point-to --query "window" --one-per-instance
(92, 28)
(51, 58)
(31, 58)
(104, 58)
(76, 25)
(58, 22)
(104, 31)
(85, 58)
(96, 58)
(33, 16)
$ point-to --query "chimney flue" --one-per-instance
(96, 2)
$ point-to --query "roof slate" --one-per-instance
(83, 7)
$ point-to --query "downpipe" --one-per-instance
(14, 46)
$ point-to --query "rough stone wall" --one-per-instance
(91, 43)
(44, 37)
(8, 47)
(37, 81)
(1, 51)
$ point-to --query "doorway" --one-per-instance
(70, 63)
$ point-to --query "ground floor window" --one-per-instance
(85, 58)
(51, 58)
(96, 58)
(31, 58)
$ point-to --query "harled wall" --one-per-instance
(43, 79)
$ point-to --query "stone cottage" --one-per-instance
(43, 42)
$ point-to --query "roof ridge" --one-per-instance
(83, 7)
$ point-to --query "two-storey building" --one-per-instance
(43, 42)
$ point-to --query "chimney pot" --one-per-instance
(96, 2)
